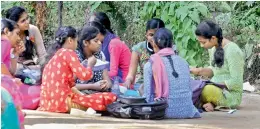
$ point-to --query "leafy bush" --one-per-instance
(181, 18)
(242, 25)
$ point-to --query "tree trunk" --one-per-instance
(60, 6)
(41, 10)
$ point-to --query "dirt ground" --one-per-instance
(247, 117)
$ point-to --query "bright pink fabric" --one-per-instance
(160, 74)
(120, 56)
(9, 84)
(5, 52)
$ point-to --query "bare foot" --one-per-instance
(209, 107)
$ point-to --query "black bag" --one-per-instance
(136, 109)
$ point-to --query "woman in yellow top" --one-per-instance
(226, 67)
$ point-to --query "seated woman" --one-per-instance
(115, 50)
(167, 77)
(89, 45)
(11, 45)
(57, 94)
(226, 67)
(9, 84)
(9, 117)
(31, 37)
(141, 52)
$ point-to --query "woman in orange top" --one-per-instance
(58, 77)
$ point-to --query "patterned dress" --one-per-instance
(98, 75)
(180, 93)
(231, 73)
(143, 56)
(58, 79)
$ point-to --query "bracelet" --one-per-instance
(13, 56)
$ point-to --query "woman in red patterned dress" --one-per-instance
(59, 74)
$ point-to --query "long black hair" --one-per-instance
(61, 35)
(164, 39)
(14, 14)
(99, 26)
(9, 24)
(207, 29)
(154, 23)
(86, 34)
(102, 18)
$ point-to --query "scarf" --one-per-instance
(105, 49)
(109, 36)
(159, 73)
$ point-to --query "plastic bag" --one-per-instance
(29, 76)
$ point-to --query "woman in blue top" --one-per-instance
(172, 85)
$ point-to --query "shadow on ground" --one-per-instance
(247, 117)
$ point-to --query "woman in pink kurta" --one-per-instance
(11, 40)
(115, 50)
(11, 45)
(58, 78)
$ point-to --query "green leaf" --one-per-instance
(182, 11)
(191, 54)
(157, 3)
(145, 6)
(185, 41)
(180, 35)
(172, 9)
(169, 26)
(248, 50)
(187, 23)
(150, 8)
(95, 5)
(165, 17)
(183, 16)
(224, 7)
(166, 6)
(154, 9)
(192, 62)
(195, 16)
(182, 52)
(104, 7)
(203, 9)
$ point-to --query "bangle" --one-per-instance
(13, 56)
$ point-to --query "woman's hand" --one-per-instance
(19, 48)
(18, 81)
(127, 83)
(91, 61)
(195, 71)
(101, 85)
(104, 85)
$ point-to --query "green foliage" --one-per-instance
(5, 5)
(242, 26)
(125, 19)
(240, 22)
(181, 18)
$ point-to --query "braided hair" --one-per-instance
(208, 29)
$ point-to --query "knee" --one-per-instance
(209, 89)
(211, 93)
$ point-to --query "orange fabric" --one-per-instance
(4, 70)
(58, 79)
